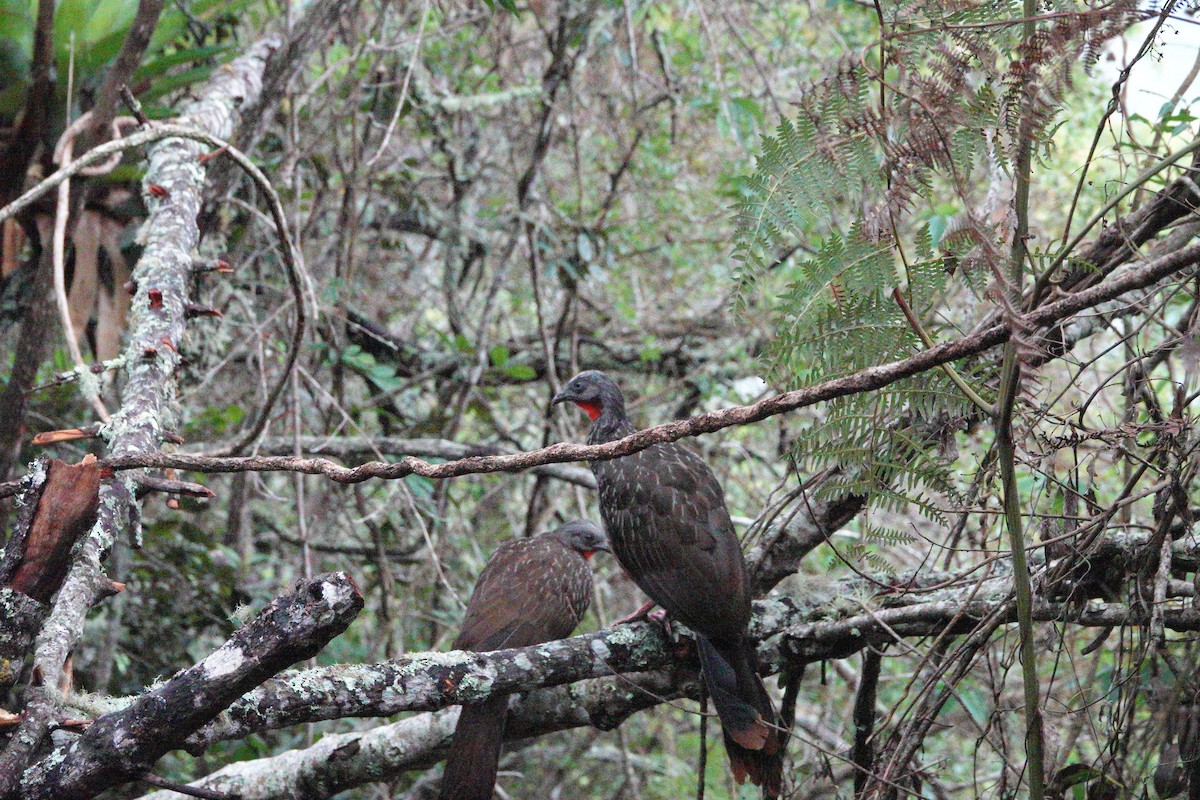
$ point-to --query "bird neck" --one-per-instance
(612, 424)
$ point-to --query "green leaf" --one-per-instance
(520, 372)
(157, 66)
(173, 82)
(498, 355)
(650, 353)
(937, 227)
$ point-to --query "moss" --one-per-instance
(11, 603)
(625, 635)
(35, 475)
(89, 383)
(419, 665)
(392, 694)
(476, 686)
(600, 650)
(97, 705)
(640, 645)
(843, 607)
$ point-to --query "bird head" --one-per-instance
(594, 392)
(585, 538)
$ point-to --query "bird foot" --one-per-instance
(660, 616)
(638, 615)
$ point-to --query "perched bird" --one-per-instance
(531, 591)
(668, 526)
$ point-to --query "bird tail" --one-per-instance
(753, 737)
(475, 751)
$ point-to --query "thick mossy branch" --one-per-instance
(343, 761)
(835, 621)
(120, 746)
(429, 681)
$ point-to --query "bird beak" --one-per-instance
(562, 397)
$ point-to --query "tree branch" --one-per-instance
(348, 448)
(123, 66)
(120, 746)
(342, 761)
(865, 380)
(836, 621)
(430, 681)
(156, 326)
(16, 157)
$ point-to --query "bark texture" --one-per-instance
(121, 745)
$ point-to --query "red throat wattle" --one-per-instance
(591, 409)
(588, 553)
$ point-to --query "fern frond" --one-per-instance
(858, 179)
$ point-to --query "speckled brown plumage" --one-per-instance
(531, 591)
(669, 527)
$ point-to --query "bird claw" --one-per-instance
(660, 616)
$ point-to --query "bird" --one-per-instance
(667, 523)
(532, 590)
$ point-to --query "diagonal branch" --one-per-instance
(124, 65)
(865, 380)
(120, 746)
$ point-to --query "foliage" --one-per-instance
(930, 115)
(448, 311)
(88, 34)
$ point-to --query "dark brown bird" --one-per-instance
(668, 526)
(531, 591)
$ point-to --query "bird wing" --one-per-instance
(670, 529)
(531, 591)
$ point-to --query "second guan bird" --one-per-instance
(668, 526)
(531, 591)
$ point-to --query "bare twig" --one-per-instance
(181, 788)
(67, 435)
(927, 340)
(153, 483)
(1113, 103)
(134, 106)
(60, 288)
